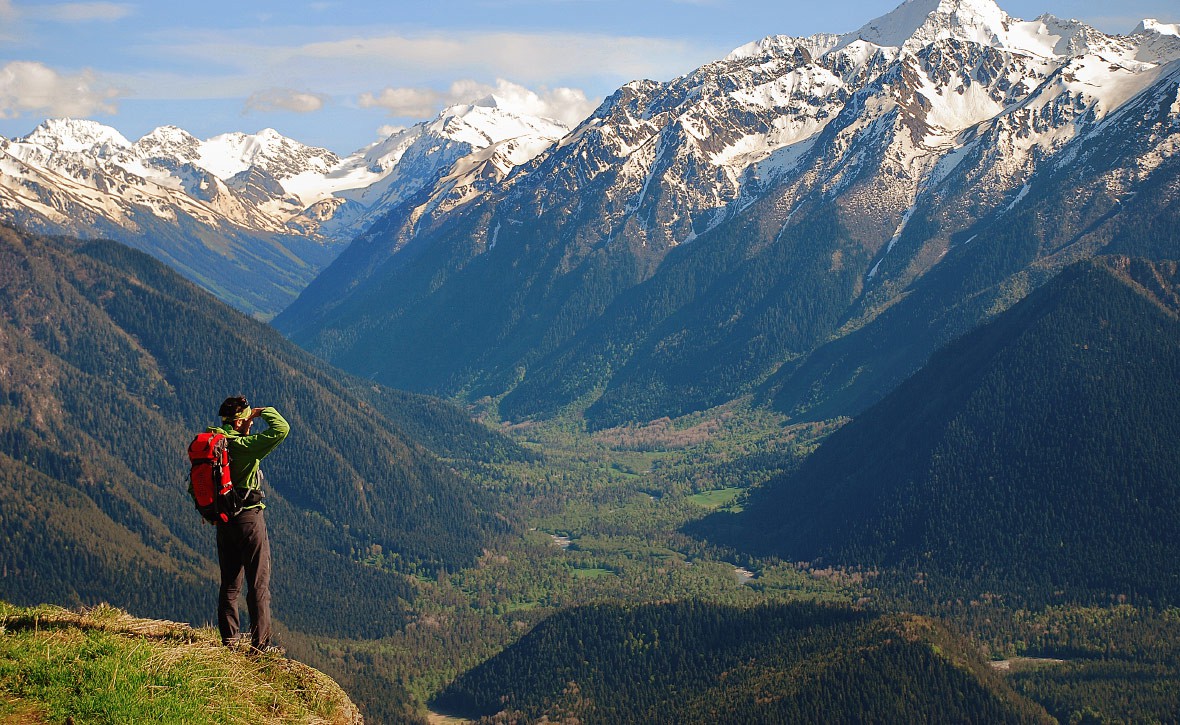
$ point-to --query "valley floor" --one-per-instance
(602, 517)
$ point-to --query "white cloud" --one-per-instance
(285, 99)
(29, 86)
(416, 102)
(81, 12)
(384, 132)
(530, 57)
(568, 105)
(355, 62)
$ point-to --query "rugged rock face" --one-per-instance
(806, 218)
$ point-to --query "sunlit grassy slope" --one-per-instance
(104, 666)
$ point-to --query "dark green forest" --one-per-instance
(1034, 458)
(112, 362)
(697, 662)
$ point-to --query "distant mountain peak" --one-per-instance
(232, 153)
(169, 141)
(1151, 25)
(781, 45)
(478, 125)
(500, 119)
(920, 22)
(75, 135)
(168, 132)
(916, 24)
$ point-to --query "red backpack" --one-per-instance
(211, 487)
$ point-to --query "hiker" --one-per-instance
(242, 543)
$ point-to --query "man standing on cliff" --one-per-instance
(242, 543)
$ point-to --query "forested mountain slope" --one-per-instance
(695, 662)
(1034, 458)
(111, 363)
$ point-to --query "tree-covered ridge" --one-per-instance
(698, 662)
(1035, 457)
(112, 362)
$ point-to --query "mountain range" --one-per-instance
(250, 217)
(805, 220)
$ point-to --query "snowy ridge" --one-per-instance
(893, 99)
(262, 182)
(917, 23)
(933, 97)
(1151, 25)
(780, 45)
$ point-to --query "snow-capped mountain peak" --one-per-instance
(917, 23)
(1151, 25)
(169, 142)
(230, 154)
(477, 125)
(490, 121)
(72, 135)
(783, 45)
(456, 153)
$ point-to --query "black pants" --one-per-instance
(243, 548)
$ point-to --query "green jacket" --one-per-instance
(247, 452)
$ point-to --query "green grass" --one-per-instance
(104, 666)
(593, 573)
(715, 499)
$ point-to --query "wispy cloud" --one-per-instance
(569, 105)
(354, 62)
(285, 99)
(531, 57)
(9, 29)
(34, 87)
(79, 12)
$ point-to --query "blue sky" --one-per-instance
(339, 73)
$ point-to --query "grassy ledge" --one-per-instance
(102, 665)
